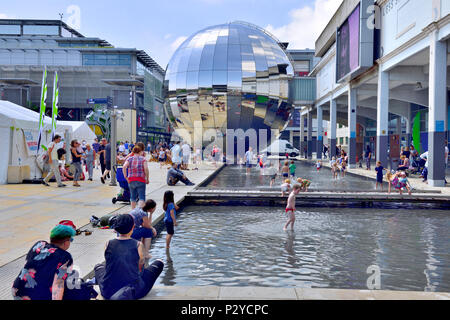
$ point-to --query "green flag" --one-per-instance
(42, 109)
(416, 133)
(55, 103)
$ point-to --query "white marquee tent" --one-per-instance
(81, 131)
(19, 135)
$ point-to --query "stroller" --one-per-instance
(124, 194)
(417, 165)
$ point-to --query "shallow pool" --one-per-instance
(235, 176)
(329, 248)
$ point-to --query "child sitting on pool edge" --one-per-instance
(290, 207)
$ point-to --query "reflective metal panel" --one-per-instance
(229, 76)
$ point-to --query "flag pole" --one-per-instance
(41, 113)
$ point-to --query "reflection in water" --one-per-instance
(235, 176)
(169, 275)
(329, 248)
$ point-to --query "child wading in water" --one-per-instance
(290, 207)
(286, 187)
(343, 168)
(319, 165)
(285, 170)
(304, 184)
(379, 169)
(292, 168)
(170, 216)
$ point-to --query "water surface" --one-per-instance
(329, 248)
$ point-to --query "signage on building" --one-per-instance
(354, 43)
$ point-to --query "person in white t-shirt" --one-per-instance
(54, 162)
(175, 153)
(186, 155)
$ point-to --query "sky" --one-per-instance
(160, 26)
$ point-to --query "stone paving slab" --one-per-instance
(269, 293)
(29, 212)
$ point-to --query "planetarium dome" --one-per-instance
(228, 76)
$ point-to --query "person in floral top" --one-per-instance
(47, 268)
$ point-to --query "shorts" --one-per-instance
(137, 191)
(169, 227)
(186, 159)
(285, 175)
(162, 160)
(292, 174)
(108, 165)
(141, 232)
(248, 165)
(273, 177)
(380, 180)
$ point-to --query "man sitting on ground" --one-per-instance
(47, 267)
(174, 175)
(123, 276)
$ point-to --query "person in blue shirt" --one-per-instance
(143, 229)
(170, 220)
(379, 169)
(174, 175)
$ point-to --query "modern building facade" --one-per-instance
(302, 91)
(92, 72)
(384, 71)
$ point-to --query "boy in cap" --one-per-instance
(47, 267)
(122, 276)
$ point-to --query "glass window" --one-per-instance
(9, 29)
(205, 79)
(194, 61)
(220, 57)
(41, 30)
(234, 57)
(207, 59)
(181, 81)
(220, 78)
(184, 60)
(233, 37)
(235, 79)
(192, 80)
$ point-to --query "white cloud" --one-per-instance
(5, 16)
(167, 36)
(178, 41)
(306, 25)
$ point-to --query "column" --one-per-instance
(408, 127)
(352, 127)
(319, 132)
(333, 117)
(302, 136)
(291, 137)
(309, 136)
(399, 126)
(383, 117)
(437, 108)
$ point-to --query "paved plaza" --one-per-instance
(28, 212)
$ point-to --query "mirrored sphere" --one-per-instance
(228, 76)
